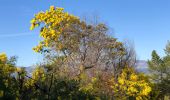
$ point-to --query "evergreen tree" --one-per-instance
(159, 72)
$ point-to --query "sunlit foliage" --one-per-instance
(7, 69)
(131, 85)
(53, 22)
(81, 62)
(86, 55)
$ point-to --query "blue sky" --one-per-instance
(144, 22)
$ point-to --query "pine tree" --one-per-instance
(159, 72)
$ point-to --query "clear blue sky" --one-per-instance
(145, 22)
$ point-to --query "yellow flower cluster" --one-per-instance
(131, 83)
(53, 22)
(7, 69)
(3, 57)
(37, 73)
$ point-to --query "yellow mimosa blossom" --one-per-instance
(53, 20)
(132, 84)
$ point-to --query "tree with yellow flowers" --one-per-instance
(7, 83)
(86, 55)
(54, 22)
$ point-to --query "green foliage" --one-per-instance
(7, 82)
(159, 73)
(82, 62)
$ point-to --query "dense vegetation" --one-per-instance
(82, 62)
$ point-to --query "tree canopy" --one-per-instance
(82, 62)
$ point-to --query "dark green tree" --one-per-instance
(160, 73)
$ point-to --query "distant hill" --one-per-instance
(29, 69)
(142, 66)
